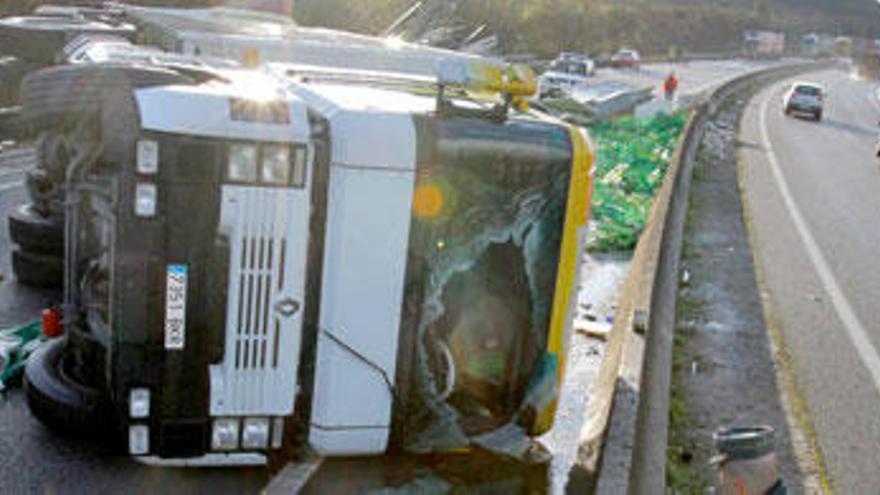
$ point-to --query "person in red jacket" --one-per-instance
(670, 86)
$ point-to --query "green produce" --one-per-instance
(632, 156)
(16, 344)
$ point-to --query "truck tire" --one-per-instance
(40, 39)
(66, 95)
(35, 232)
(44, 271)
(58, 399)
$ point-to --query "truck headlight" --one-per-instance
(138, 439)
(242, 163)
(224, 435)
(145, 200)
(276, 165)
(147, 157)
(139, 403)
(255, 434)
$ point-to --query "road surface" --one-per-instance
(694, 77)
(813, 193)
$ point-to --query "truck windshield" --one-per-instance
(489, 215)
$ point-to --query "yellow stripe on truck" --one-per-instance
(577, 214)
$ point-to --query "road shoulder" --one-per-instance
(724, 372)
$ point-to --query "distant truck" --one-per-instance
(843, 46)
(763, 44)
(817, 45)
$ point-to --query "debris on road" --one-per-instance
(16, 344)
(595, 329)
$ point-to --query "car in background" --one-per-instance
(626, 58)
(564, 74)
(804, 98)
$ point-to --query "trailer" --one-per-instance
(818, 45)
(256, 38)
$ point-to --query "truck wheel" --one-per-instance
(71, 94)
(60, 400)
(35, 232)
(45, 271)
(40, 39)
(818, 116)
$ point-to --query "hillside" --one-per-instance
(599, 27)
(826, 7)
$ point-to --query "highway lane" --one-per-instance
(694, 77)
(813, 194)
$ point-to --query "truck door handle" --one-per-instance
(287, 307)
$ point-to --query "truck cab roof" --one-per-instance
(243, 105)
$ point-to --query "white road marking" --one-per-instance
(854, 328)
(14, 185)
(874, 97)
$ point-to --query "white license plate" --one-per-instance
(175, 306)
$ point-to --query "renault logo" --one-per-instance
(287, 307)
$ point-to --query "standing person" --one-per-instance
(670, 86)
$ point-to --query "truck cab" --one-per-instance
(357, 261)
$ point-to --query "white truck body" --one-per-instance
(253, 39)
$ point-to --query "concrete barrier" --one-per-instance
(624, 437)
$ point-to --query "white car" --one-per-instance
(564, 74)
(804, 98)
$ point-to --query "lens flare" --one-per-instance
(428, 201)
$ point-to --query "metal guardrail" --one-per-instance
(623, 440)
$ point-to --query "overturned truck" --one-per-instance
(355, 262)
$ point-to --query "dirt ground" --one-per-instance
(723, 370)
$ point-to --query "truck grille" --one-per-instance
(265, 228)
(255, 329)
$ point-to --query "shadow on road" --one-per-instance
(850, 128)
(475, 473)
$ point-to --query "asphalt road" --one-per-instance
(812, 193)
(694, 77)
(35, 460)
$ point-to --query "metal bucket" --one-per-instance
(747, 463)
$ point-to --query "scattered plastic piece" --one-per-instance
(592, 328)
(16, 344)
(51, 318)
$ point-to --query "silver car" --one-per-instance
(804, 98)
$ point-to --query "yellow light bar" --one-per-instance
(520, 80)
(488, 79)
(471, 75)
